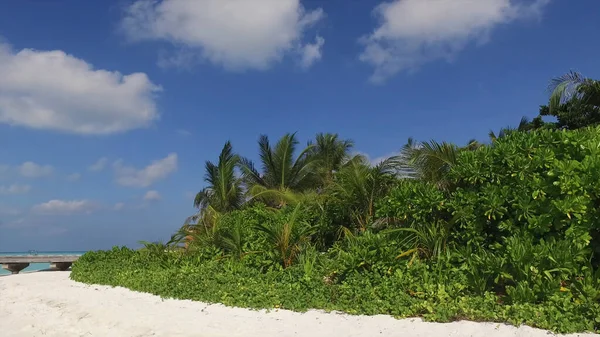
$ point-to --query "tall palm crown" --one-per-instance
(224, 191)
(574, 101)
(430, 161)
(331, 153)
(574, 86)
(358, 184)
(280, 169)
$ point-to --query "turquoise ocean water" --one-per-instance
(34, 266)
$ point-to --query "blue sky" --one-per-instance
(108, 109)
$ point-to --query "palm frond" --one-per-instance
(564, 88)
(287, 236)
(524, 124)
(281, 169)
(431, 160)
(330, 153)
(275, 197)
(358, 185)
(224, 191)
(250, 174)
(202, 198)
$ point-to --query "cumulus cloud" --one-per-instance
(312, 53)
(9, 210)
(413, 32)
(15, 189)
(152, 196)
(57, 91)
(65, 207)
(99, 165)
(4, 169)
(32, 170)
(157, 170)
(74, 176)
(235, 34)
(184, 133)
(14, 224)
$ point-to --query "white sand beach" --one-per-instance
(50, 304)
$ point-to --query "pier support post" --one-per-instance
(60, 265)
(14, 268)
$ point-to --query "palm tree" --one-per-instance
(231, 240)
(282, 174)
(223, 194)
(574, 101)
(358, 185)
(573, 86)
(224, 191)
(199, 230)
(427, 240)
(287, 235)
(331, 152)
(430, 161)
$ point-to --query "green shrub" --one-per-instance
(546, 183)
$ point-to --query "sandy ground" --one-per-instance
(49, 304)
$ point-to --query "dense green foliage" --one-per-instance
(505, 232)
(435, 292)
(574, 104)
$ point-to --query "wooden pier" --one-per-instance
(15, 264)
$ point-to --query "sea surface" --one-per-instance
(34, 266)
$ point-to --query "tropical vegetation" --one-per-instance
(506, 231)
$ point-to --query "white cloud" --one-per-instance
(74, 176)
(32, 170)
(312, 53)
(99, 165)
(157, 170)
(15, 189)
(184, 133)
(119, 206)
(4, 169)
(8, 210)
(16, 223)
(35, 227)
(414, 32)
(152, 196)
(237, 34)
(65, 207)
(57, 91)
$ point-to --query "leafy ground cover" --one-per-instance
(436, 293)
